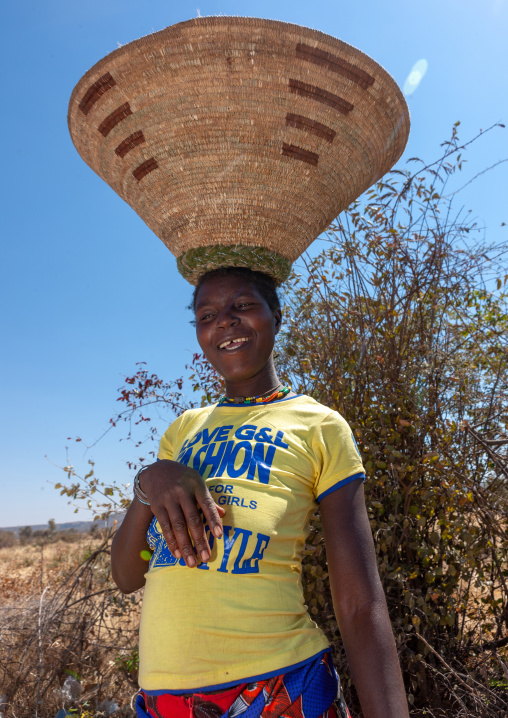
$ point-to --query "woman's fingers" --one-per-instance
(221, 510)
(196, 529)
(184, 529)
(180, 527)
(164, 522)
(210, 510)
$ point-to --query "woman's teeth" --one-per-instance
(233, 343)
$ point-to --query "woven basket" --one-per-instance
(238, 140)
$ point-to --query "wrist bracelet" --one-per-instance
(138, 491)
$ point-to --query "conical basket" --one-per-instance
(238, 140)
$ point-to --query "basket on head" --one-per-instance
(238, 140)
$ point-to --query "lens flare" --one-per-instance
(415, 76)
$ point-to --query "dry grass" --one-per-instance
(23, 568)
(62, 616)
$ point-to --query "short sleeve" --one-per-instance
(337, 455)
(168, 441)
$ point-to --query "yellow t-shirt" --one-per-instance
(242, 615)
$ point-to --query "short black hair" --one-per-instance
(261, 281)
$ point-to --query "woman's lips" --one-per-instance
(230, 345)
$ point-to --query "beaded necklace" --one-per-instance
(279, 393)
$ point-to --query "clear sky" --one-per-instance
(87, 290)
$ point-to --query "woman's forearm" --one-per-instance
(128, 567)
(373, 661)
(360, 605)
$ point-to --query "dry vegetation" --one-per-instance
(68, 639)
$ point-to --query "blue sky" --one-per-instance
(88, 290)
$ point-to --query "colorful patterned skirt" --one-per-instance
(312, 691)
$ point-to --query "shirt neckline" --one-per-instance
(259, 405)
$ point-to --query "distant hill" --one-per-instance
(77, 526)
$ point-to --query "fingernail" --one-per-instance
(217, 531)
(191, 561)
(205, 555)
(177, 553)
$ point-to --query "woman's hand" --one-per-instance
(176, 494)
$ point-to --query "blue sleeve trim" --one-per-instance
(336, 486)
(250, 679)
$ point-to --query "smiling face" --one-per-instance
(236, 331)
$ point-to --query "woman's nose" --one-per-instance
(227, 318)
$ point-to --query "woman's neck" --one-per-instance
(255, 386)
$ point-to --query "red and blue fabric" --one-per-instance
(311, 691)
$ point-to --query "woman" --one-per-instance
(224, 628)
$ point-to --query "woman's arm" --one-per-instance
(360, 604)
(127, 567)
(176, 494)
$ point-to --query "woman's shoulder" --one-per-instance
(306, 403)
(316, 414)
(188, 418)
(186, 423)
(197, 412)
